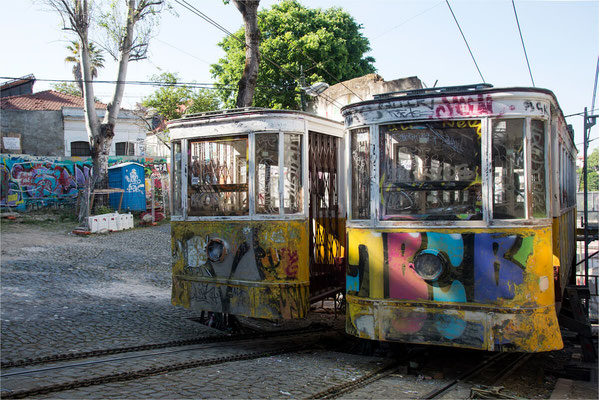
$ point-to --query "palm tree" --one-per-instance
(96, 59)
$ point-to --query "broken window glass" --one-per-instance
(508, 168)
(431, 171)
(218, 177)
(267, 173)
(293, 194)
(360, 178)
(537, 166)
(177, 209)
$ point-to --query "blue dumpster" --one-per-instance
(131, 177)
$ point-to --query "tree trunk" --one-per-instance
(247, 83)
(103, 141)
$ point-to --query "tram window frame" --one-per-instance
(538, 182)
(177, 178)
(522, 190)
(449, 182)
(271, 201)
(360, 212)
(528, 205)
(217, 189)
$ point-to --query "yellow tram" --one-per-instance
(461, 225)
(258, 226)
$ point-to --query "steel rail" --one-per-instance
(338, 390)
(477, 369)
(152, 346)
(146, 372)
(79, 364)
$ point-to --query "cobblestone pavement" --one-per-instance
(64, 293)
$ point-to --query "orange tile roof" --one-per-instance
(48, 100)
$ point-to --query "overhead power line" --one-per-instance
(523, 46)
(154, 83)
(465, 41)
(595, 85)
(581, 113)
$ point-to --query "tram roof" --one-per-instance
(247, 111)
(255, 119)
(462, 90)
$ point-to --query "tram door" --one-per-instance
(327, 226)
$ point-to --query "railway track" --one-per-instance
(27, 362)
(498, 367)
(489, 372)
(98, 369)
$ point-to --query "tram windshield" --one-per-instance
(431, 171)
(218, 177)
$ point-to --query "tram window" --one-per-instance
(360, 159)
(508, 168)
(431, 171)
(267, 173)
(177, 209)
(292, 196)
(537, 164)
(218, 177)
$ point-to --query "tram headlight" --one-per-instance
(429, 264)
(216, 250)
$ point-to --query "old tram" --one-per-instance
(258, 226)
(461, 217)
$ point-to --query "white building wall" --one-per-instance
(129, 128)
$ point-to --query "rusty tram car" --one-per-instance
(258, 226)
(455, 224)
(461, 217)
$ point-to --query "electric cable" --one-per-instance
(523, 46)
(466, 41)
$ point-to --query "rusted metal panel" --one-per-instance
(262, 271)
(476, 327)
(496, 291)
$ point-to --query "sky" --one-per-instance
(407, 38)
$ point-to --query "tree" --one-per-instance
(128, 24)
(68, 88)
(172, 99)
(327, 43)
(592, 172)
(249, 77)
(96, 61)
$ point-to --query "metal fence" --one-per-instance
(593, 212)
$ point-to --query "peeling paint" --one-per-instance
(488, 297)
(263, 275)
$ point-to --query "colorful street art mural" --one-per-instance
(260, 268)
(32, 182)
(495, 288)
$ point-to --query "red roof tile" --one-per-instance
(48, 100)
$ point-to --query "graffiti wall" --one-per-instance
(256, 269)
(32, 182)
(494, 287)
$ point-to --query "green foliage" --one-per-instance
(293, 36)
(592, 172)
(99, 210)
(171, 100)
(68, 88)
(593, 160)
(96, 58)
